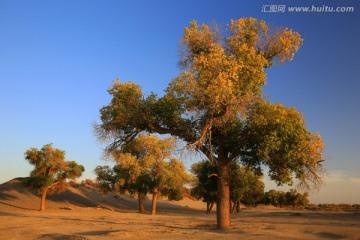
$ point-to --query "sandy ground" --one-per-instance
(83, 213)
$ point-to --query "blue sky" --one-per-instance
(57, 59)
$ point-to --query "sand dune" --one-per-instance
(82, 213)
(14, 194)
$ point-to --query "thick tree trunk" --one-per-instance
(43, 198)
(153, 205)
(223, 200)
(141, 201)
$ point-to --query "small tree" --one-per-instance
(296, 199)
(292, 198)
(255, 195)
(50, 171)
(145, 166)
(271, 197)
(206, 185)
(125, 177)
(175, 175)
(245, 186)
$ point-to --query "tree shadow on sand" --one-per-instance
(328, 235)
(13, 193)
(5, 196)
(61, 237)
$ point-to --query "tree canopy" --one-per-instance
(291, 198)
(51, 171)
(216, 106)
(245, 185)
(205, 186)
(145, 165)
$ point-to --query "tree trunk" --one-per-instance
(141, 201)
(238, 206)
(223, 200)
(232, 207)
(153, 205)
(43, 198)
(209, 206)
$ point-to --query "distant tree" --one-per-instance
(245, 185)
(282, 201)
(254, 196)
(51, 171)
(125, 177)
(88, 182)
(73, 183)
(206, 183)
(271, 197)
(145, 166)
(106, 179)
(292, 198)
(296, 199)
(175, 176)
(217, 107)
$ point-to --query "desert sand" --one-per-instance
(82, 213)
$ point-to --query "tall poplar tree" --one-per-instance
(217, 107)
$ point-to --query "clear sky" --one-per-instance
(58, 58)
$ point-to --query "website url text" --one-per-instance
(308, 9)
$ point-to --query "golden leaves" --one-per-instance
(289, 43)
(222, 76)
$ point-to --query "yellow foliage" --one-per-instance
(222, 76)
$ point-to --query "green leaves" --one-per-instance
(216, 105)
(290, 198)
(39, 183)
(145, 164)
(206, 185)
(50, 169)
(278, 137)
(244, 183)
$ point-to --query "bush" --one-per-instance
(73, 183)
(88, 182)
(291, 198)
